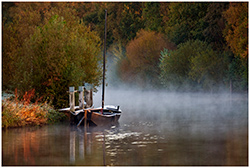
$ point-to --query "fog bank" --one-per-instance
(191, 113)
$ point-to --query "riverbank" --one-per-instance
(20, 113)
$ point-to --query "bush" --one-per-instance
(18, 113)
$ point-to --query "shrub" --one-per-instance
(17, 113)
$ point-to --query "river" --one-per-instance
(155, 129)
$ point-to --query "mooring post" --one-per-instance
(72, 98)
(81, 97)
(85, 116)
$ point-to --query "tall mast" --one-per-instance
(104, 55)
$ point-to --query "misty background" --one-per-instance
(203, 113)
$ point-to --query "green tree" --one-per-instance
(152, 16)
(235, 73)
(207, 67)
(194, 64)
(175, 66)
(186, 21)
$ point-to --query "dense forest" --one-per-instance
(193, 46)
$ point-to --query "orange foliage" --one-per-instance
(28, 96)
(143, 55)
(145, 49)
(29, 114)
(236, 33)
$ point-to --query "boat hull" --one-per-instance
(100, 119)
(97, 116)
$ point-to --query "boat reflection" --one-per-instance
(82, 141)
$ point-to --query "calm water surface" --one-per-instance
(154, 129)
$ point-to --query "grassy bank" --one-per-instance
(19, 113)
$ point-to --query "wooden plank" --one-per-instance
(67, 109)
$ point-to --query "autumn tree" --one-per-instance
(143, 55)
(236, 33)
(20, 20)
(50, 50)
(59, 55)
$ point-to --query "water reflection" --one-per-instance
(81, 140)
(201, 134)
(122, 146)
(72, 146)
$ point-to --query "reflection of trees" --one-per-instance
(23, 146)
(51, 145)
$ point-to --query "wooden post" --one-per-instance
(72, 98)
(81, 97)
(85, 118)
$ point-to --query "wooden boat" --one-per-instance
(82, 114)
(109, 115)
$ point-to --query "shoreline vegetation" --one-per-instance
(20, 111)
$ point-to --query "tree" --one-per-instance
(143, 55)
(236, 35)
(194, 63)
(175, 66)
(216, 24)
(152, 16)
(207, 67)
(57, 55)
(186, 21)
(236, 32)
(124, 20)
(19, 22)
(131, 20)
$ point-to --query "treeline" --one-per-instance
(182, 46)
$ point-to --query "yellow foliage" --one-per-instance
(20, 113)
(236, 33)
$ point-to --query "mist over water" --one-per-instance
(156, 128)
(195, 111)
(199, 124)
